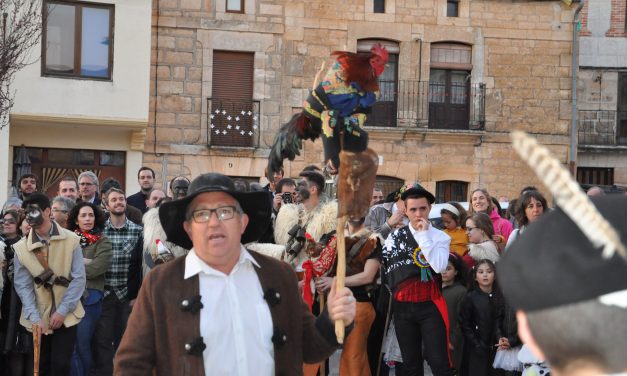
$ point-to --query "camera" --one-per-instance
(297, 240)
(287, 197)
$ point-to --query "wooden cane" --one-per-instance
(36, 349)
(340, 276)
(323, 365)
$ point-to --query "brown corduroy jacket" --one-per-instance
(159, 328)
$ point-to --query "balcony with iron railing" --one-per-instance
(602, 128)
(402, 104)
(429, 105)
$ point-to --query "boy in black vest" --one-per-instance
(413, 257)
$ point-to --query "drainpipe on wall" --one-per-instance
(572, 160)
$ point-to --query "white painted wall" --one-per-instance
(125, 97)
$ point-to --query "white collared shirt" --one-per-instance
(235, 320)
(434, 245)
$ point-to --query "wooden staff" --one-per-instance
(36, 348)
(323, 365)
(340, 275)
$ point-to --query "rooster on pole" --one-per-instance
(336, 110)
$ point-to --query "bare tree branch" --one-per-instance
(21, 23)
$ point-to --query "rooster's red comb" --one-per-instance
(380, 51)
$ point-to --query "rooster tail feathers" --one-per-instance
(288, 142)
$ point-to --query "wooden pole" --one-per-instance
(36, 348)
(323, 365)
(340, 276)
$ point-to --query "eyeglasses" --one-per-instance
(204, 215)
(468, 229)
(59, 211)
(9, 221)
(85, 183)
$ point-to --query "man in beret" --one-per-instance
(222, 309)
(571, 301)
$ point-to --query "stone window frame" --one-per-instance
(242, 5)
(248, 8)
(78, 5)
(387, 16)
(452, 2)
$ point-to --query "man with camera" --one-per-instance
(285, 191)
(50, 280)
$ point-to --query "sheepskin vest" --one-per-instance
(61, 248)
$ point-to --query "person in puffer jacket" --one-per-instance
(481, 202)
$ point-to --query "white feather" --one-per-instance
(568, 195)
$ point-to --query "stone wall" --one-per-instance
(520, 50)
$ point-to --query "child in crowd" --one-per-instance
(478, 320)
(453, 218)
(481, 246)
(454, 291)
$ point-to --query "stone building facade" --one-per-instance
(602, 92)
(463, 74)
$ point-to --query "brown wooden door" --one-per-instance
(232, 112)
(449, 104)
(50, 165)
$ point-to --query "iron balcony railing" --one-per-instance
(602, 127)
(430, 105)
(233, 123)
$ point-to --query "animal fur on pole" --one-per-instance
(357, 175)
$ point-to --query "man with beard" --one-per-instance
(49, 278)
(146, 179)
(27, 185)
(307, 230)
(122, 280)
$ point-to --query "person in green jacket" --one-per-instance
(87, 221)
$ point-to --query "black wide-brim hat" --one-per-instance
(257, 205)
(416, 189)
(552, 263)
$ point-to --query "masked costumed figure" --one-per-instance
(335, 109)
(309, 240)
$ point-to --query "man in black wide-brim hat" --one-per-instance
(571, 301)
(223, 309)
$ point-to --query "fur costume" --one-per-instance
(322, 220)
(153, 232)
(275, 251)
(357, 263)
(486, 250)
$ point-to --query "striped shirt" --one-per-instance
(124, 240)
